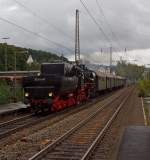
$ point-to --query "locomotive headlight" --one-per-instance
(39, 74)
(26, 94)
(50, 94)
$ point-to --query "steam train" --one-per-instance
(61, 85)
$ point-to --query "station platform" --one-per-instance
(135, 144)
(11, 108)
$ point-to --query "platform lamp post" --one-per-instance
(5, 55)
(15, 70)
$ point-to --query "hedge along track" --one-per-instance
(12, 126)
(78, 142)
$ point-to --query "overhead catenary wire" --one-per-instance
(99, 27)
(112, 32)
(95, 21)
(34, 13)
(55, 27)
(22, 42)
(108, 24)
(97, 24)
(36, 34)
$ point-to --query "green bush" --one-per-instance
(4, 92)
(7, 92)
(144, 88)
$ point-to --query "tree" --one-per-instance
(21, 57)
(132, 72)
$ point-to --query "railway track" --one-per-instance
(108, 147)
(12, 126)
(80, 141)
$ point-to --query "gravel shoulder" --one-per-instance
(32, 141)
(130, 115)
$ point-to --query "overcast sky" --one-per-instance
(126, 24)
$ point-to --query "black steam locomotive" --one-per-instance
(61, 85)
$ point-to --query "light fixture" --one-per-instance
(50, 94)
(26, 94)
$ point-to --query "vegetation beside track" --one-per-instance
(22, 55)
(144, 88)
(7, 92)
(7, 88)
(132, 72)
(4, 92)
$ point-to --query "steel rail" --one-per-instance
(51, 146)
(104, 130)
(15, 120)
(9, 127)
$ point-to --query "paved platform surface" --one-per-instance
(12, 107)
(135, 144)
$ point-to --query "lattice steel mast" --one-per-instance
(77, 39)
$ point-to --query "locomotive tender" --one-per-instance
(61, 85)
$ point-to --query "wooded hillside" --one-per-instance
(22, 54)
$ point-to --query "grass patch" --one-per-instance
(144, 88)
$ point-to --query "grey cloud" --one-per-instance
(129, 20)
